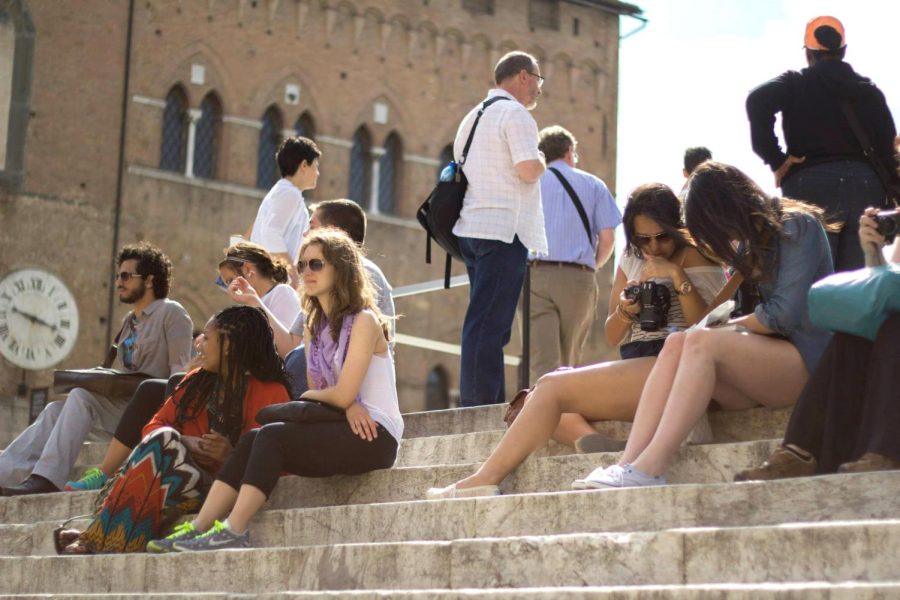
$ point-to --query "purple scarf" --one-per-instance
(326, 357)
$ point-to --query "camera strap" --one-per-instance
(726, 293)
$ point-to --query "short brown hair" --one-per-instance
(346, 215)
(511, 64)
(555, 142)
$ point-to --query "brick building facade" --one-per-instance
(213, 84)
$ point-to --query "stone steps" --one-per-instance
(714, 591)
(867, 496)
(431, 448)
(709, 463)
(831, 552)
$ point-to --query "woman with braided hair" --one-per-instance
(169, 473)
(349, 368)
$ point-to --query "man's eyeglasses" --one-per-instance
(126, 275)
(644, 240)
(315, 265)
(540, 79)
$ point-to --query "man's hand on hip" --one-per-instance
(789, 162)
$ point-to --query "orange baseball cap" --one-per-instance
(810, 41)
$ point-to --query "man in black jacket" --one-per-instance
(824, 162)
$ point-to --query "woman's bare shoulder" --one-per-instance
(693, 258)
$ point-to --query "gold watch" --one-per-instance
(685, 288)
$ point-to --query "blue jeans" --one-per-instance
(295, 367)
(496, 273)
(843, 189)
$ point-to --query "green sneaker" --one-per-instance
(182, 533)
(219, 537)
(94, 479)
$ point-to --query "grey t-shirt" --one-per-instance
(384, 300)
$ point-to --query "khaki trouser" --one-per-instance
(563, 308)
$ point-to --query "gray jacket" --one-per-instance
(163, 345)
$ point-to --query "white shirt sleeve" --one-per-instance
(521, 134)
(274, 218)
(283, 303)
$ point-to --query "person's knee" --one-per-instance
(674, 343)
(79, 400)
(698, 342)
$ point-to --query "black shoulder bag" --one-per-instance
(440, 211)
(577, 202)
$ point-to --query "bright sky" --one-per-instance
(684, 78)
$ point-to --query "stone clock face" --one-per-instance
(38, 319)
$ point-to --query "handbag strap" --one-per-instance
(868, 149)
(465, 152)
(726, 293)
(576, 201)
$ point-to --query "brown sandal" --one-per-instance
(63, 538)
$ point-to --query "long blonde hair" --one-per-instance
(352, 290)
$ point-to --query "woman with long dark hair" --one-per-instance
(350, 368)
(169, 472)
(563, 402)
(761, 359)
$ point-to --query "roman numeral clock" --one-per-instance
(38, 319)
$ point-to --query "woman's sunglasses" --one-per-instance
(644, 240)
(315, 265)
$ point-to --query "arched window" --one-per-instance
(269, 140)
(389, 174)
(360, 184)
(174, 131)
(445, 158)
(437, 389)
(306, 126)
(206, 140)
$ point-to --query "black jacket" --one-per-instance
(814, 125)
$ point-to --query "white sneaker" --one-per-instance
(451, 491)
(586, 483)
(622, 477)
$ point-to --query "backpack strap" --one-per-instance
(576, 201)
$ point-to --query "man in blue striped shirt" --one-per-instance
(563, 283)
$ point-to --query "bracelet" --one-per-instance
(620, 312)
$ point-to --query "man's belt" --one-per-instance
(559, 264)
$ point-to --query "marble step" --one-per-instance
(711, 463)
(812, 499)
(817, 590)
(475, 445)
(831, 552)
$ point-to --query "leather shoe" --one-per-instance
(784, 462)
(870, 461)
(35, 484)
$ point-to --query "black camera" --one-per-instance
(888, 224)
(654, 300)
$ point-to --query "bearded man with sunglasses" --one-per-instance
(155, 339)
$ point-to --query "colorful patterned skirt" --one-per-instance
(157, 484)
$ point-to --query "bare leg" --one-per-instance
(249, 502)
(739, 370)
(653, 398)
(220, 500)
(571, 427)
(606, 391)
(115, 457)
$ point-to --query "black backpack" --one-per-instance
(440, 211)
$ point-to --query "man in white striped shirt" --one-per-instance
(563, 285)
(501, 219)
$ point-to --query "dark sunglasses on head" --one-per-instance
(126, 275)
(315, 265)
(644, 240)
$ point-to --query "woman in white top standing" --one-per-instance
(350, 368)
(267, 275)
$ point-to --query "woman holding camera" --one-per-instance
(563, 402)
(761, 359)
(846, 418)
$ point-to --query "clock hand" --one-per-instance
(34, 319)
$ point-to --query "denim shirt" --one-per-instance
(802, 257)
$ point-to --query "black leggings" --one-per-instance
(306, 449)
(147, 399)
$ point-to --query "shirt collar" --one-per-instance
(498, 92)
(151, 307)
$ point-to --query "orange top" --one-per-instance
(259, 394)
